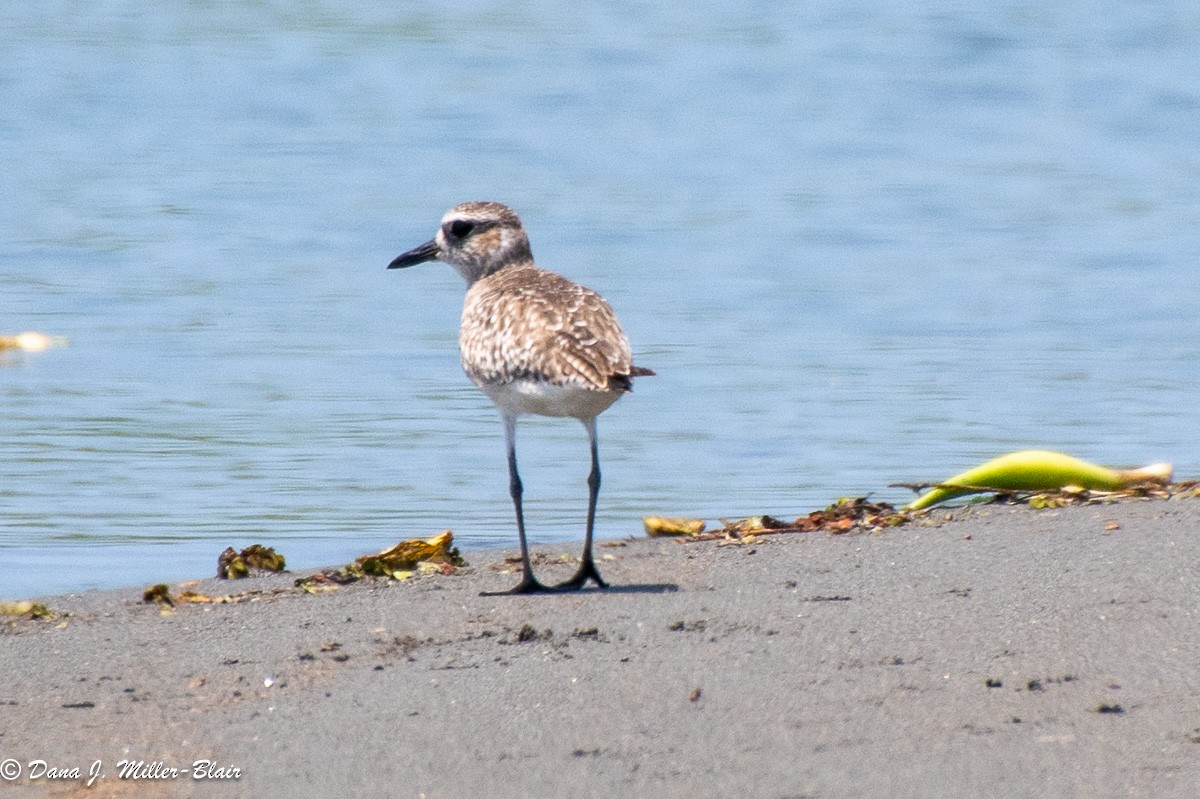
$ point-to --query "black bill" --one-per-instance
(417, 255)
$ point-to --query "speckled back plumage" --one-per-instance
(524, 323)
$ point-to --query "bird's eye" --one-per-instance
(460, 228)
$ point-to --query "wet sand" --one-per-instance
(1007, 652)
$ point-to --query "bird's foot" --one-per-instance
(587, 571)
(528, 585)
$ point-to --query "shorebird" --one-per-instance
(534, 342)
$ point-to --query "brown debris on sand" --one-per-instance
(233, 565)
(842, 516)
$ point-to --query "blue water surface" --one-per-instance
(859, 243)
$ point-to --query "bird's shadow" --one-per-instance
(638, 588)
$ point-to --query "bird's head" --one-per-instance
(476, 238)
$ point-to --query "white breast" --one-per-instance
(547, 399)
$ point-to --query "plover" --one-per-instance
(534, 342)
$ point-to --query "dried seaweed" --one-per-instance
(232, 565)
(435, 555)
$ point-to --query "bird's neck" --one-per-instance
(474, 276)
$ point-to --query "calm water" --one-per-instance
(859, 244)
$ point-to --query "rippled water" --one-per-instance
(859, 245)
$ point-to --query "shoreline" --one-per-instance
(1007, 651)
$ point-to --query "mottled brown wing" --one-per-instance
(529, 323)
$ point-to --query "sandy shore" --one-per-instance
(1008, 652)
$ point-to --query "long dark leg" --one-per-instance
(587, 566)
(529, 584)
